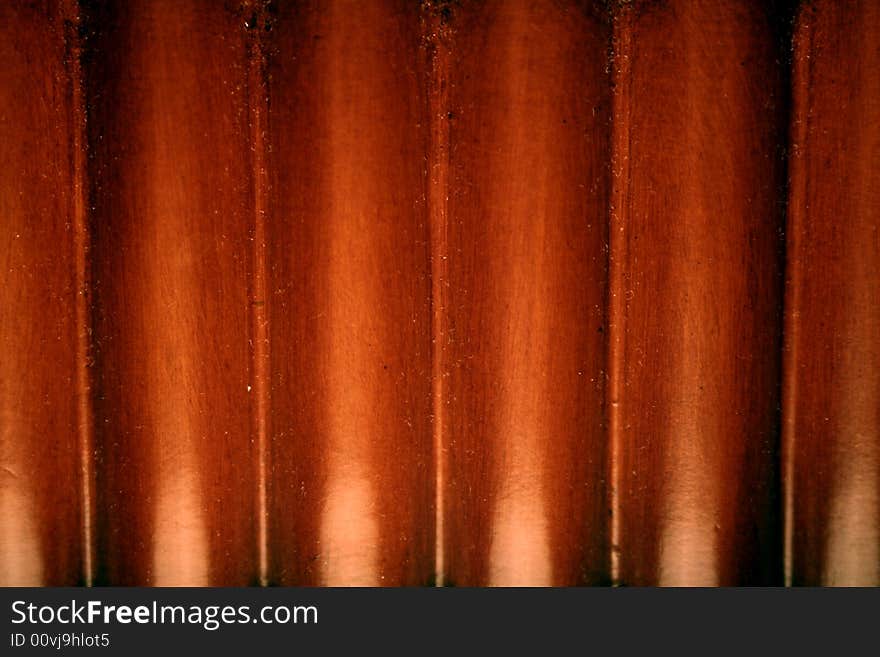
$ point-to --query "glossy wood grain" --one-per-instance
(472, 292)
(524, 290)
(350, 297)
(832, 377)
(44, 427)
(695, 293)
(173, 203)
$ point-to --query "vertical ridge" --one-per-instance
(617, 258)
(437, 34)
(81, 242)
(800, 80)
(257, 101)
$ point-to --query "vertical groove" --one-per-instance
(81, 241)
(437, 34)
(617, 258)
(258, 297)
(800, 80)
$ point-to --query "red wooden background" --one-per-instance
(452, 292)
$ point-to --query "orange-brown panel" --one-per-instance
(523, 289)
(350, 297)
(43, 423)
(832, 359)
(173, 208)
(695, 297)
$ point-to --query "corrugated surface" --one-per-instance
(464, 293)
(524, 288)
(832, 378)
(42, 427)
(172, 218)
(696, 293)
(349, 297)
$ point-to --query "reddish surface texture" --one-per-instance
(350, 297)
(462, 293)
(42, 425)
(523, 286)
(172, 198)
(832, 375)
(696, 293)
